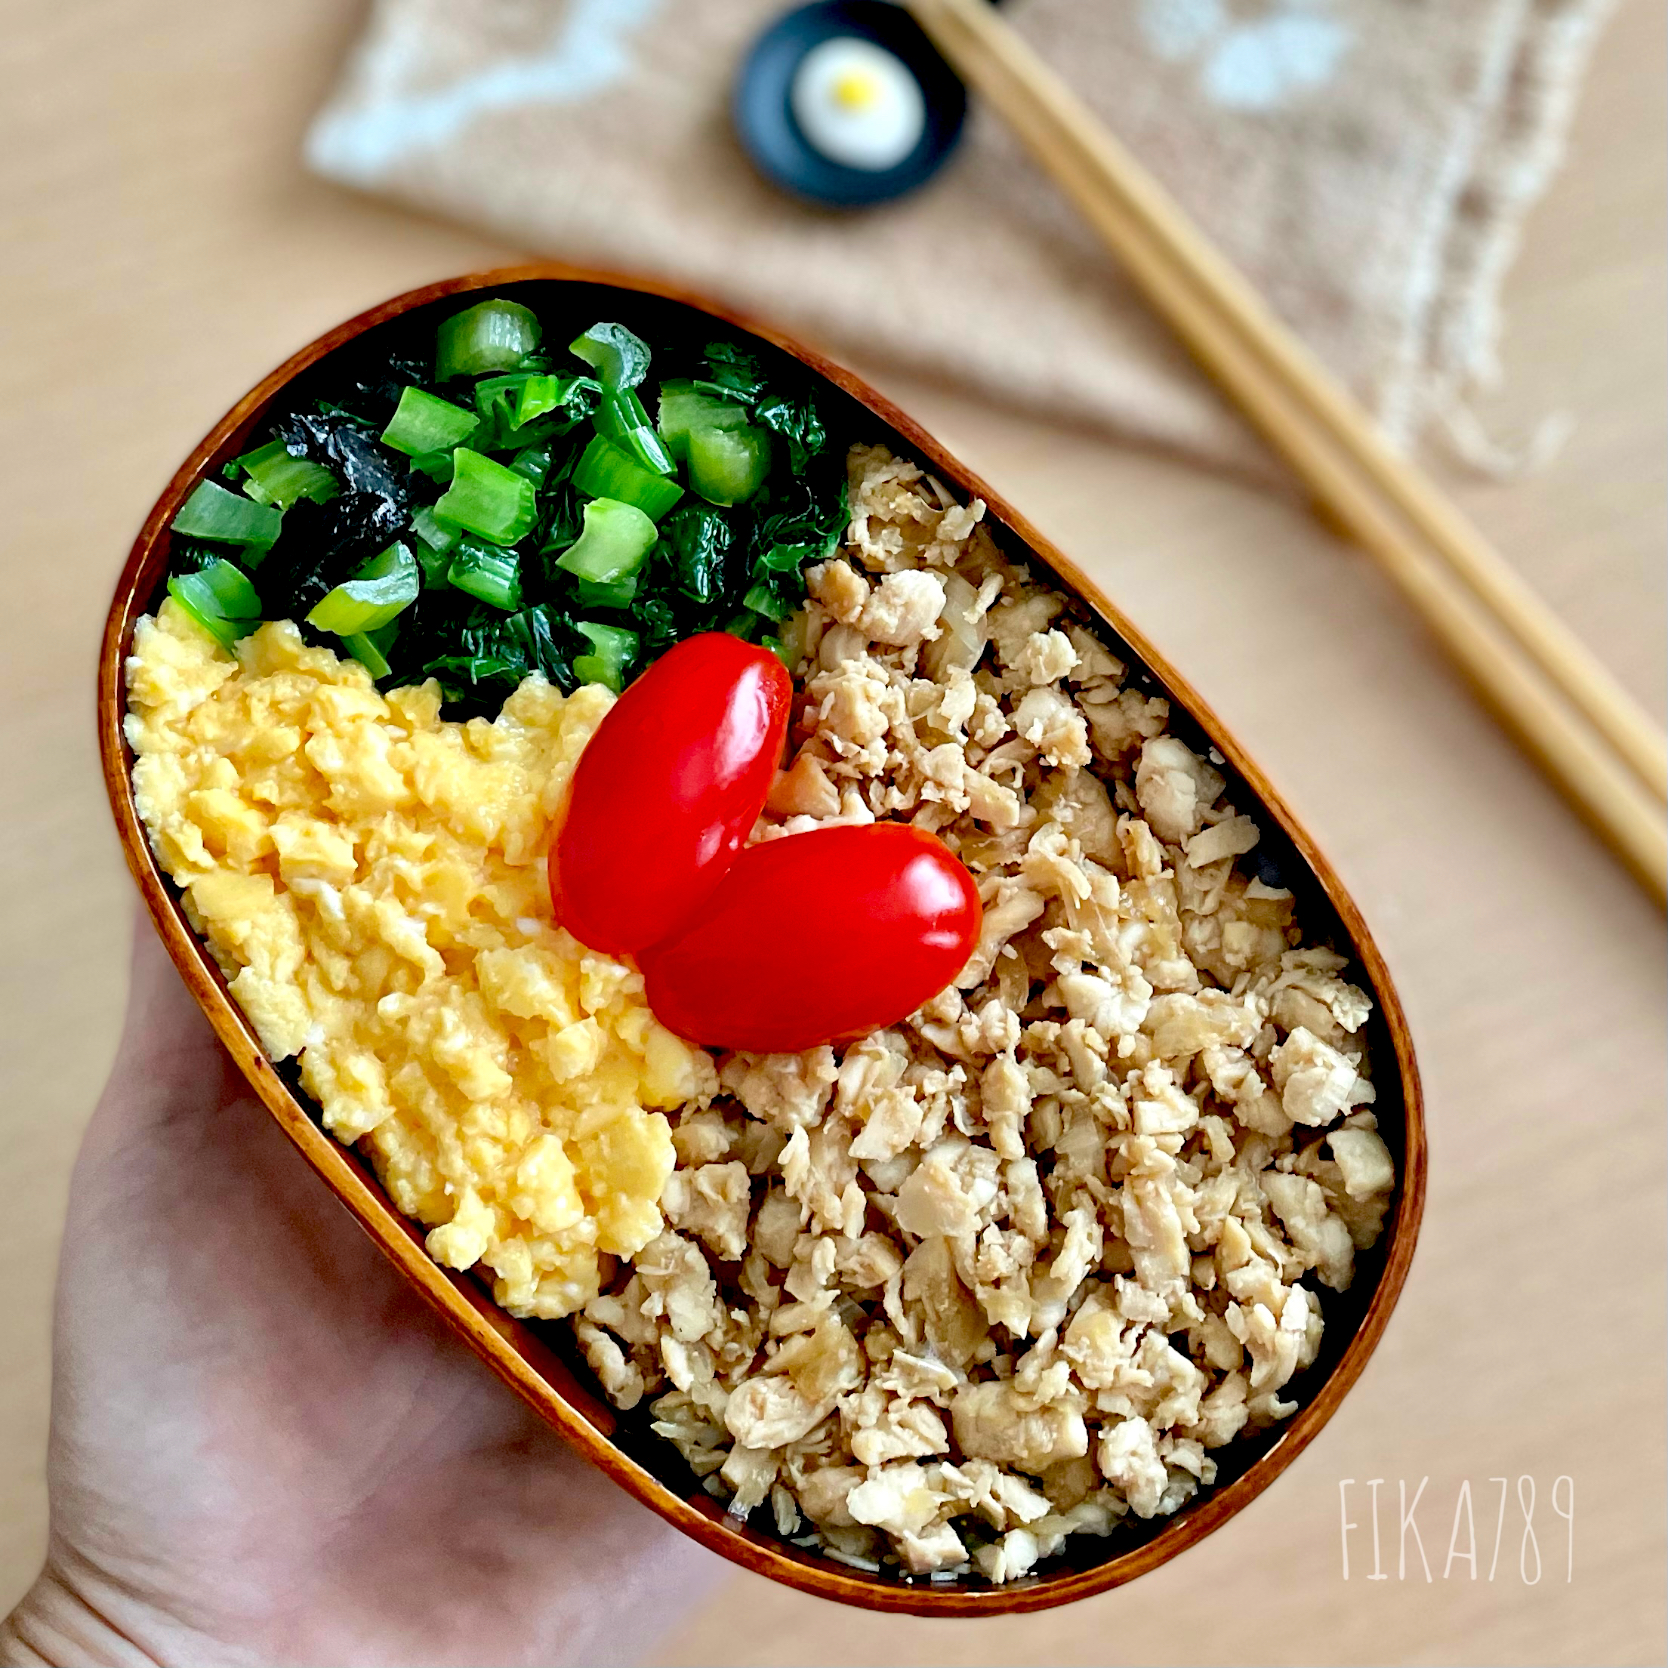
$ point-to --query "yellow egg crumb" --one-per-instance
(371, 879)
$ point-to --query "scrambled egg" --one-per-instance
(372, 882)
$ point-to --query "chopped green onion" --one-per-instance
(727, 466)
(539, 394)
(362, 649)
(619, 593)
(498, 398)
(219, 599)
(635, 524)
(370, 648)
(533, 462)
(275, 477)
(436, 566)
(436, 534)
(615, 542)
(720, 393)
(622, 418)
(488, 499)
(386, 585)
(424, 423)
(490, 336)
(512, 402)
(686, 405)
(233, 594)
(620, 359)
(488, 575)
(436, 465)
(224, 632)
(436, 540)
(211, 512)
(526, 406)
(606, 472)
(613, 648)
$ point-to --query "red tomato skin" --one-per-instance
(666, 791)
(817, 937)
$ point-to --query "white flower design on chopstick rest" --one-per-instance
(1249, 58)
(585, 53)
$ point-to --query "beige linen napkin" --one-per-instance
(1367, 163)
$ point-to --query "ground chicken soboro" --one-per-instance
(371, 880)
(1013, 1269)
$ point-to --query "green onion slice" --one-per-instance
(434, 543)
(489, 575)
(224, 632)
(526, 407)
(383, 588)
(620, 359)
(234, 596)
(487, 499)
(623, 420)
(490, 336)
(607, 472)
(618, 593)
(436, 566)
(512, 402)
(436, 534)
(211, 512)
(686, 406)
(613, 650)
(424, 423)
(436, 465)
(614, 543)
(274, 477)
(533, 462)
(727, 466)
(539, 394)
(219, 599)
(370, 648)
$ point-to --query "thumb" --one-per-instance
(170, 1066)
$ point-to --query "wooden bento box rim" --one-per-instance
(521, 1359)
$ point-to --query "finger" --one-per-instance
(169, 1065)
(164, 1027)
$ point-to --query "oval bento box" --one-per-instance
(539, 1362)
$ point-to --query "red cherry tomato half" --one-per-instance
(816, 937)
(666, 791)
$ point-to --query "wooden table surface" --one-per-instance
(163, 249)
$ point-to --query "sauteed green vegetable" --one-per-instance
(500, 509)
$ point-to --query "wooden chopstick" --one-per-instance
(1418, 538)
